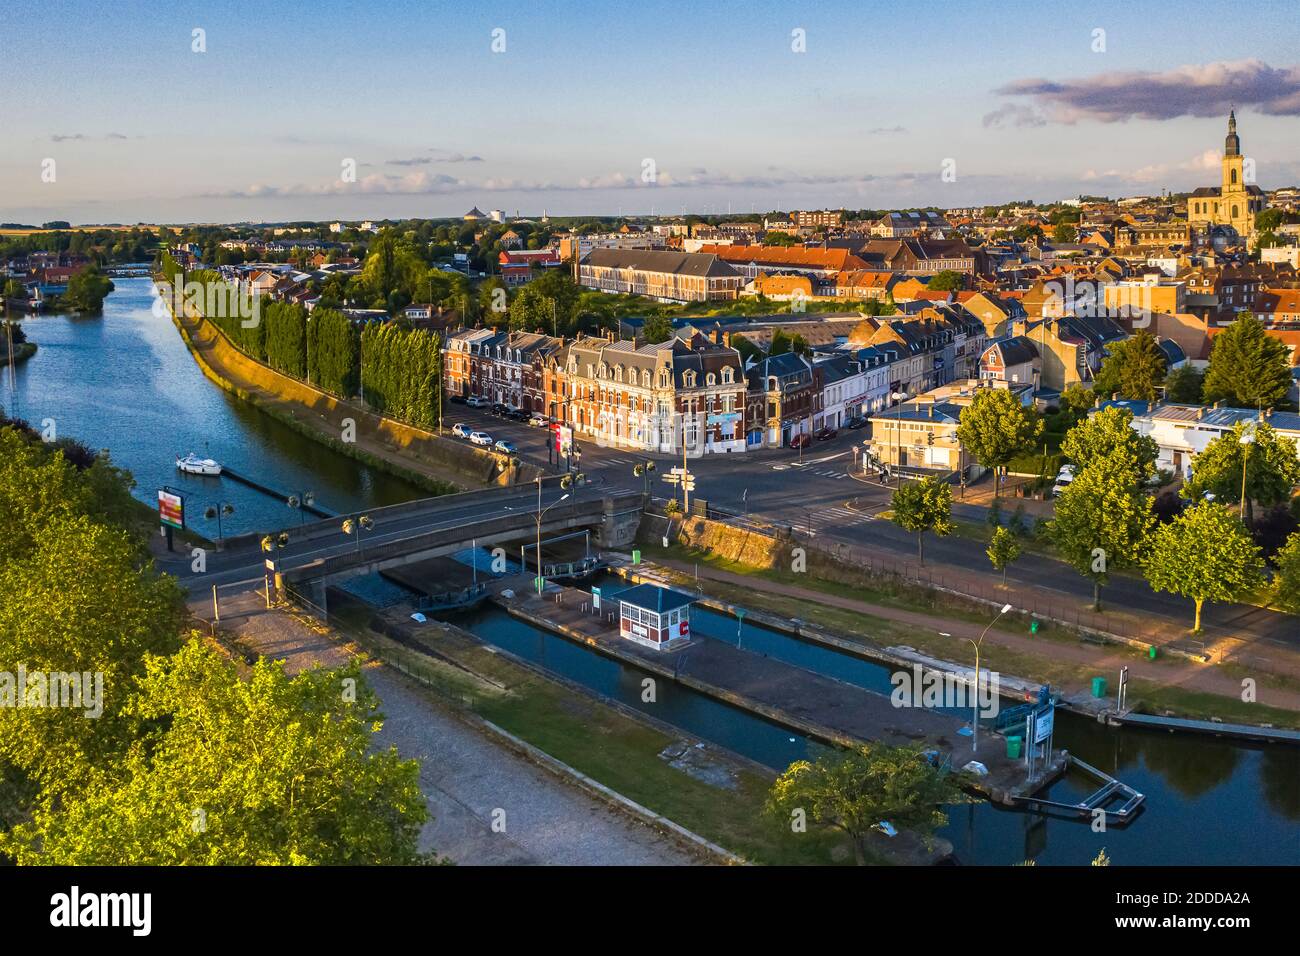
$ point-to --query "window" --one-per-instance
(710, 379)
(727, 375)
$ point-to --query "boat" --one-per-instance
(192, 464)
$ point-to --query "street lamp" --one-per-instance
(1247, 439)
(541, 513)
(222, 508)
(975, 709)
(301, 501)
(899, 398)
(356, 526)
(643, 471)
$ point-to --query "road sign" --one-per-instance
(595, 599)
(1043, 724)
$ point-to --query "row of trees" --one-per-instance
(400, 369)
(1248, 369)
(175, 758)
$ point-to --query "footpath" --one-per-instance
(1104, 660)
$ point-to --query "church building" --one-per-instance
(1235, 202)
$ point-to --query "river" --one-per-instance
(126, 382)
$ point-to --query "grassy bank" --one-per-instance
(878, 632)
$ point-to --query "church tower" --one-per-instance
(1232, 159)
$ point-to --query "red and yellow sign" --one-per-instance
(171, 509)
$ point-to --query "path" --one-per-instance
(464, 774)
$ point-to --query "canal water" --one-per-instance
(1209, 801)
(126, 382)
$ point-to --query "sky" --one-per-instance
(122, 112)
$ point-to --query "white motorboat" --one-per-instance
(192, 464)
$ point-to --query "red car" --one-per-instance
(801, 440)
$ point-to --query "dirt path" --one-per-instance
(466, 776)
(1106, 660)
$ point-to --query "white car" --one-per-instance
(477, 401)
(1063, 479)
(538, 420)
(461, 431)
(480, 438)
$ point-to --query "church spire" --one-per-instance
(1232, 143)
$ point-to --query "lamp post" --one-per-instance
(975, 710)
(898, 398)
(301, 501)
(1247, 439)
(541, 513)
(354, 526)
(220, 509)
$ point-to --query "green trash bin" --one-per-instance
(1013, 747)
(1151, 652)
(1099, 687)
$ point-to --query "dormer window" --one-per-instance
(688, 379)
(710, 379)
(727, 375)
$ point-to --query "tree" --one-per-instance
(1205, 554)
(946, 280)
(1133, 369)
(1109, 431)
(1077, 400)
(1003, 550)
(1183, 385)
(853, 791)
(1064, 232)
(922, 506)
(1286, 579)
(269, 770)
(995, 427)
(1248, 368)
(1102, 520)
(531, 311)
(657, 328)
(86, 290)
(1271, 462)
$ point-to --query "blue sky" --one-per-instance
(141, 128)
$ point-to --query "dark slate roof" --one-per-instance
(661, 260)
(652, 597)
(1017, 350)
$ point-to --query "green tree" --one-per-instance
(1133, 369)
(1183, 385)
(1248, 368)
(1077, 400)
(1286, 579)
(1271, 462)
(657, 328)
(269, 770)
(1102, 520)
(1064, 232)
(531, 311)
(86, 290)
(1107, 432)
(1003, 550)
(853, 791)
(921, 506)
(946, 280)
(995, 427)
(1204, 554)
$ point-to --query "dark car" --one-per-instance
(856, 422)
(826, 434)
(518, 415)
(458, 399)
(802, 440)
(499, 410)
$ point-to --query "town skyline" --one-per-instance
(1133, 109)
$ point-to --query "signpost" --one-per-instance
(595, 598)
(171, 512)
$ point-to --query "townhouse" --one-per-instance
(660, 275)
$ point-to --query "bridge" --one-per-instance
(320, 553)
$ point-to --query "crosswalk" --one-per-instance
(837, 517)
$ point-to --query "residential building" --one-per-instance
(661, 275)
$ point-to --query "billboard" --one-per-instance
(171, 510)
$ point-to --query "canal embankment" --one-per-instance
(440, 464)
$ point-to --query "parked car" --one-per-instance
(482, 439)
(458, 399)
(802, 440)
(855, 422)
(538, 420)
(1063, 479)
(477, 401)
(826, 434)
(518, 415)
(505, 447)
(500, 409)
(460, 430)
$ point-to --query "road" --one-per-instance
(814, 493)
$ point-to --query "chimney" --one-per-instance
(931, 409)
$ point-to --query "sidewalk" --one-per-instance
(1106, 660)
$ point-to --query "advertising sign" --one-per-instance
(171, 510)
(1043, 724)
